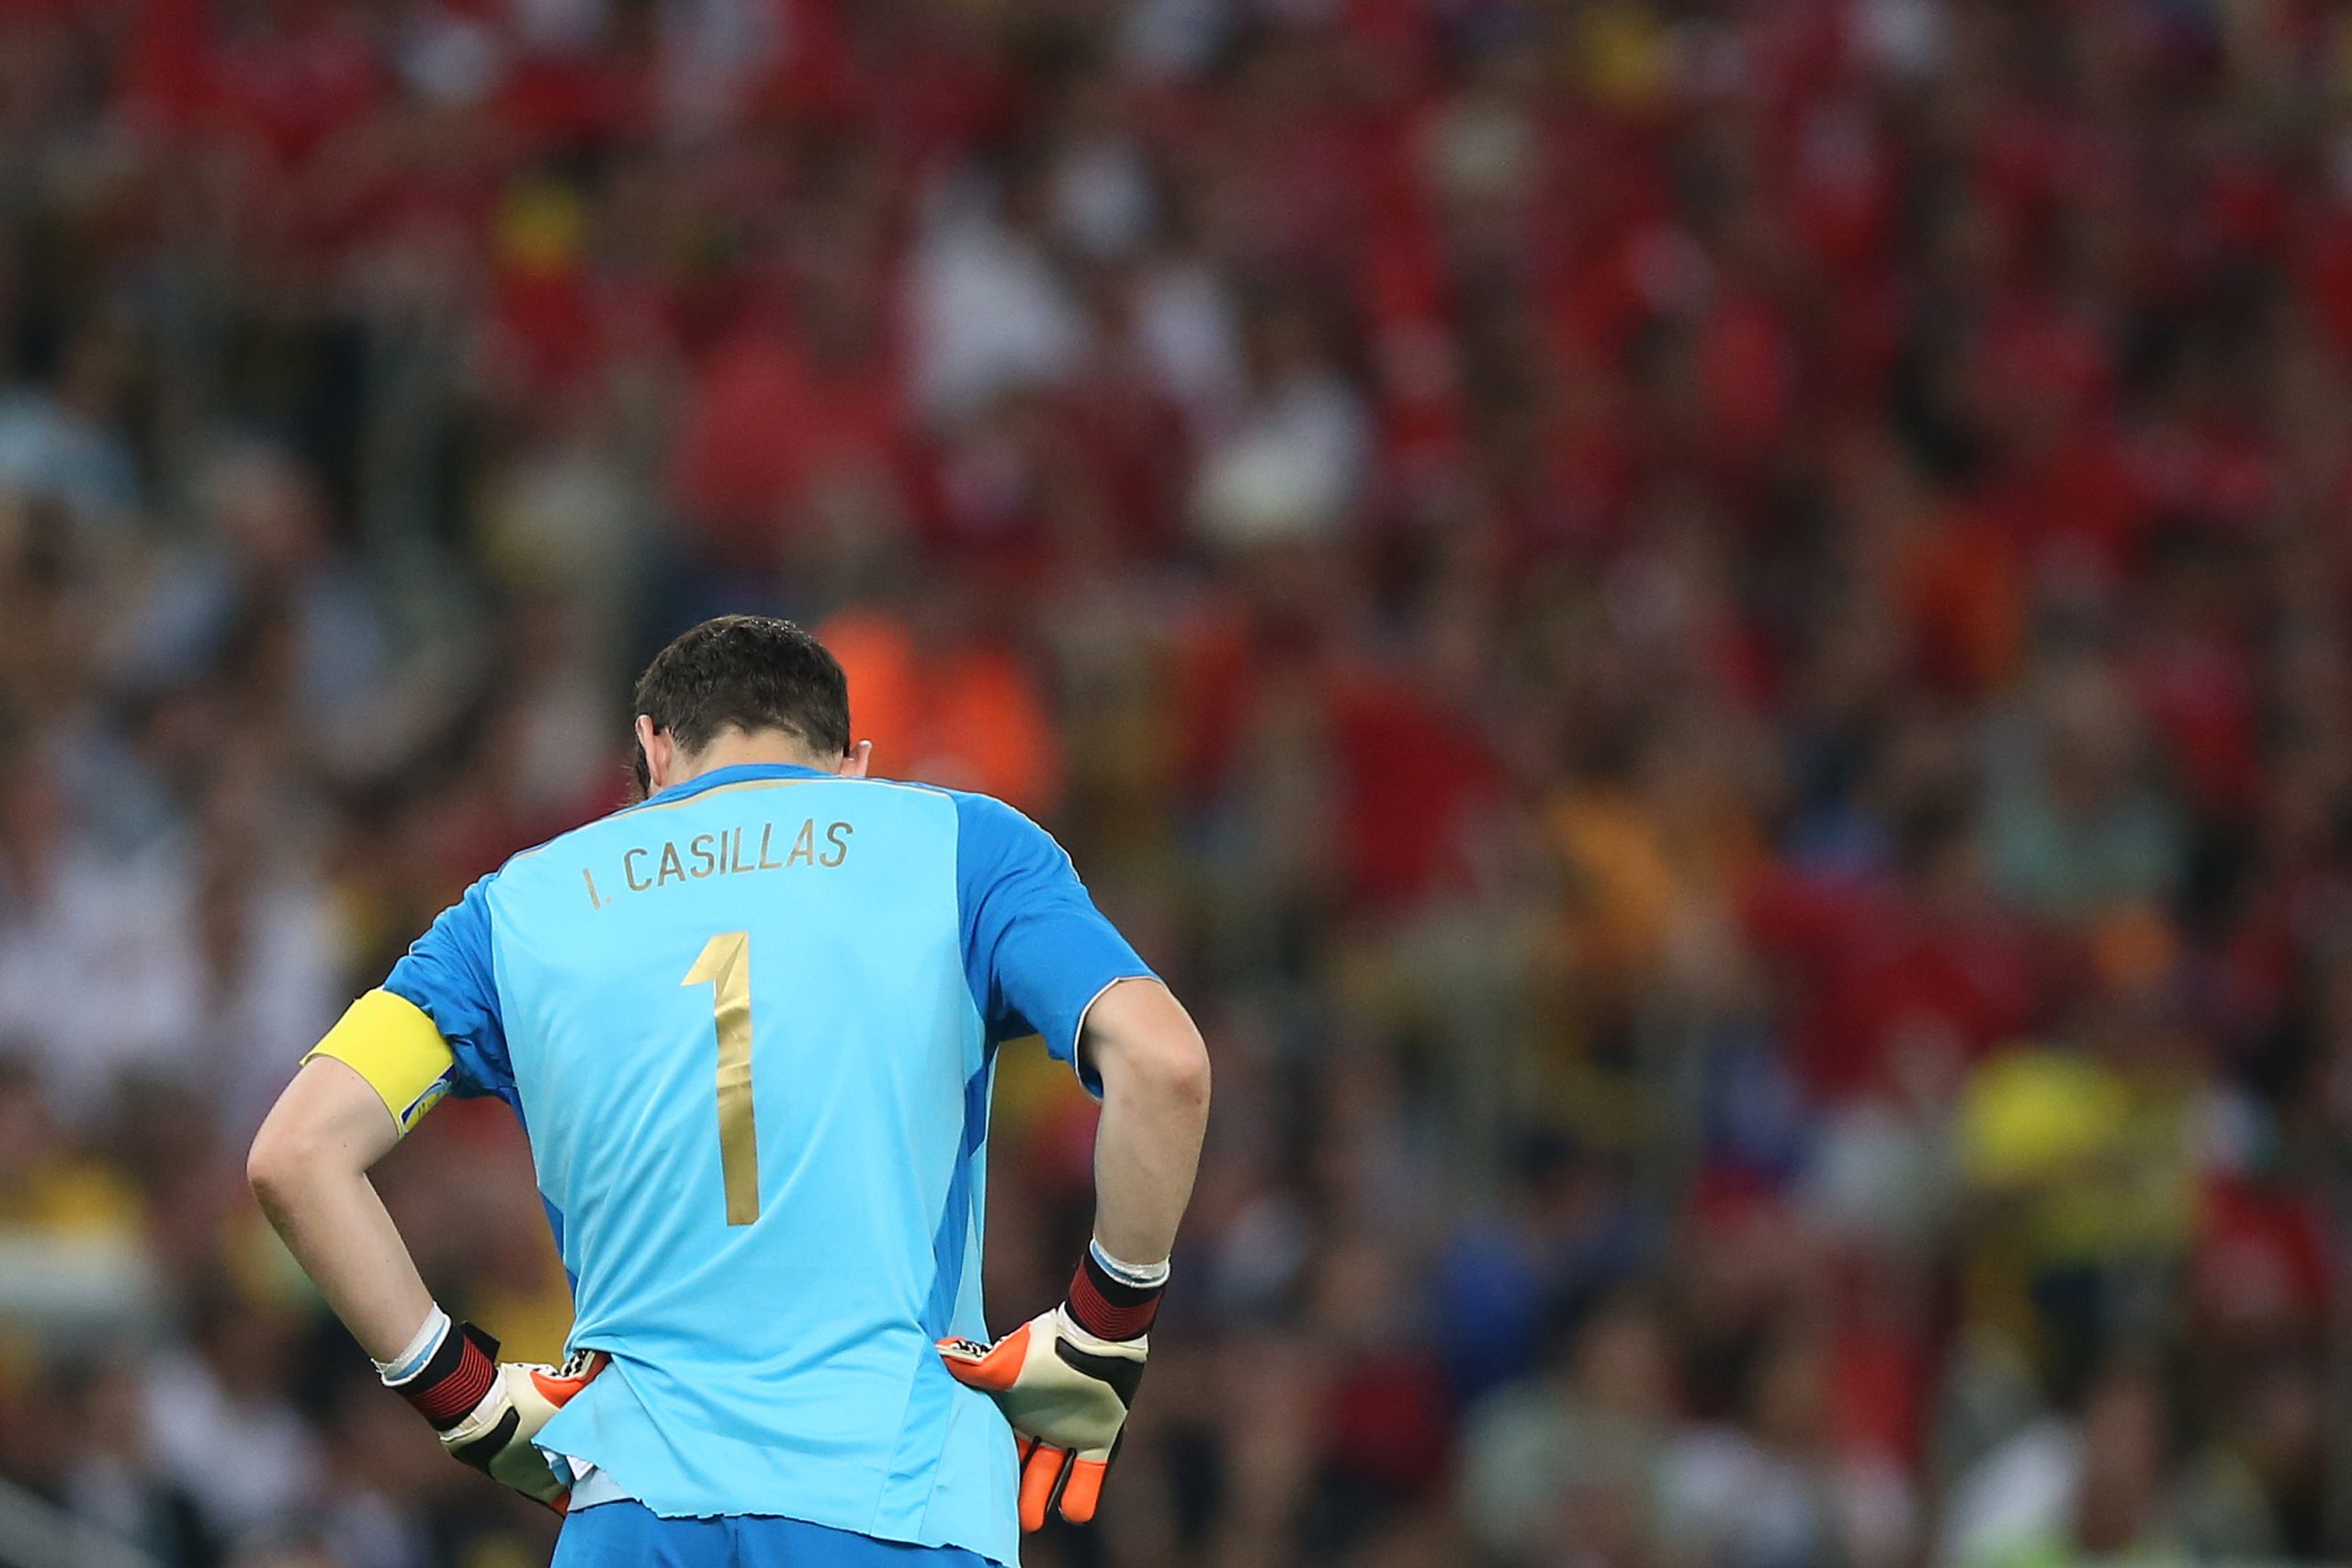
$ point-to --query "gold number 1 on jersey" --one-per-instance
(725, 967)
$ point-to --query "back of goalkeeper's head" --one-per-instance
(751, 675)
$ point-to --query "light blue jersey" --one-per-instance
(750, 1029)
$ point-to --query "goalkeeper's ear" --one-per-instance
(652, 758)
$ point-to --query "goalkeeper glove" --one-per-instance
(487, 1413)
(1065, 1380)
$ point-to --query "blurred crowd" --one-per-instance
(1713, 637)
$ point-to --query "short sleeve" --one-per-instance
(447, 973)
(1035, 948)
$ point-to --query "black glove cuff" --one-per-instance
(1108, 1307)
(454, 1378)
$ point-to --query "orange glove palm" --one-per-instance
(487, 1411)
(1065, 1392)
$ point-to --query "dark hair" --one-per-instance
(747, 672)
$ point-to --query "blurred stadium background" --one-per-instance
(1710, 634)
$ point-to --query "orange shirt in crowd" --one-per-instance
(965, 715)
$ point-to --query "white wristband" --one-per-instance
(426, 1340)
(1142, 1276)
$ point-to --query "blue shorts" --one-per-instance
(630, 1535)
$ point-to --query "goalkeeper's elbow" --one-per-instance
(323, 1129)
(1178, 1067)
(327, 1126)
(1141, 1040)
(285, 1161)
(1170, 1065)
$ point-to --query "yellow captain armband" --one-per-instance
(387, 1040)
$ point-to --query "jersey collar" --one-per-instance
(737, 773)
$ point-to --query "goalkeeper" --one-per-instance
(749, 1026)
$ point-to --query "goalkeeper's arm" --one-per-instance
(1155, 1074)
(349, 1105)
(309, 1168)
(1066, 1377)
